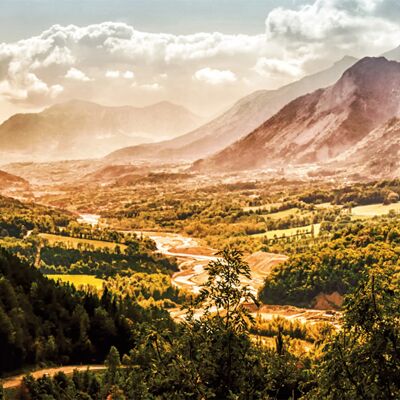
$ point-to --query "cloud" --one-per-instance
(297, 40)
(112, 74)
(29, 89)
(272, 67)
(150, 86)
(333, 22)
(77, 75)
(214, 76)
(117, 74)
(128, 75)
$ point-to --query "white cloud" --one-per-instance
(128, 75)
(214, 76)
(151, 86)
(112, 74)
(272, 67)
(58, 56)
(28, 88)
(297, 40)
(77, 75)
(334, 22)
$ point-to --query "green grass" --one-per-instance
(264, 207)
(79, 280)
(283, 214)
(74, 242)
(289, 232)
(374, 210)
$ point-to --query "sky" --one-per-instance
(203, 54)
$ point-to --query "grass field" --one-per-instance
(283, 214)
(79, 280)
(373, 210)
(74, 242)
(326, 205)
(264, 207)
(289, 232)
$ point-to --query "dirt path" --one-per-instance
(15, 381)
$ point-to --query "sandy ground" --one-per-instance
(192, 275)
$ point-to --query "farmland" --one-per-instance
(76, 242)
(373, 210)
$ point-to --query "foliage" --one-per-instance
(337, 264)
(41, 321)
(363, 360)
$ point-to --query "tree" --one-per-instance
(226, 355)
(363, 360)
(113, 363)
(224, 292)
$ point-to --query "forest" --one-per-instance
(209, 357)
(224, 351)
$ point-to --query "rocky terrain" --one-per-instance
(320, 126)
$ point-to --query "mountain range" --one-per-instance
(242, 118)
(80, 129)
(323, 125)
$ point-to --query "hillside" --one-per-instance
(393, 54)
(245, 116)
(8, 181)
(319, 126)
(377, 155)
(79, 129)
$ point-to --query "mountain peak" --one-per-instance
(82, 129)
(346, 60)
(321, 125)
(372, 74)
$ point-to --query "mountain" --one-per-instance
(79, 129)
(393, 55)
(319, 126)
(10, 181)
(14, 186)
(245, 116)
(377, 154)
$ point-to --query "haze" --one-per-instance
(203, 55)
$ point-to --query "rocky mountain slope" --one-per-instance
(246, 115)
(79, 129)
(320, 126)
(377, 154)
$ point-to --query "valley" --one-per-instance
(250, 255)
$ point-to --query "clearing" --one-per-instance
(74, 242)
(279, 233)
(79, 280)
(373, 210)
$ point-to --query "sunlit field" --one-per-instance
(79, 280)
(75, 242)
(279, 233)
(373, 210)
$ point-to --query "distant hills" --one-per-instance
(393, 55)
(12, 185)
(321, 126)
(80, 129)
(245, 116)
